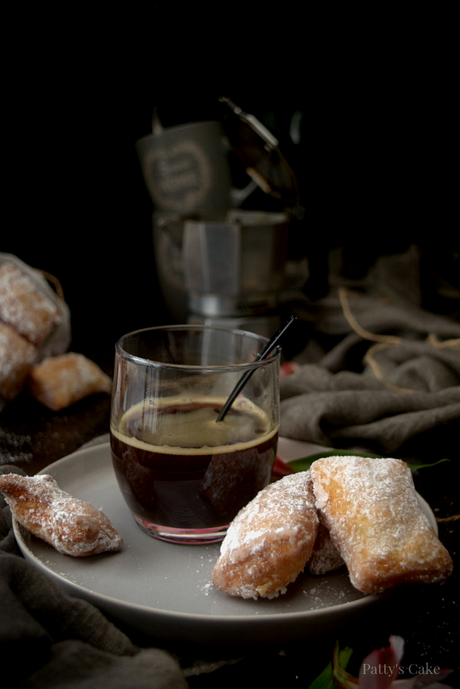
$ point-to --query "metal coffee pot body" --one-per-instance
(235, 267)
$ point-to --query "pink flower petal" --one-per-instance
(397, 646)
(381, 667)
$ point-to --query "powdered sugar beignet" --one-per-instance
(59, 381)
(71, 526)
(17, 357)
(371, 509)
(24, 307)
(269, 541)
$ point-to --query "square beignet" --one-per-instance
(57, 382)
(24, 308)
(269, 541)
(375, 520)
(17, 357)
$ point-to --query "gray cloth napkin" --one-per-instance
(51, 640)
(391, 383)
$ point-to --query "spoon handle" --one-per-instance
(271, 344)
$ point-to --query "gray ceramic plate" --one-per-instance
(165, 590)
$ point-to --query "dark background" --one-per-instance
(373, 162)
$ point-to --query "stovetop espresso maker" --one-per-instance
(219, 262)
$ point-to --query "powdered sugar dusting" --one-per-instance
(22, 306)
(17, 357)
(284, 499)
(325, 557)
(60, 381)
(71, 526)
(269, 541)
(372, 512)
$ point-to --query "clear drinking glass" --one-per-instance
(183, 474)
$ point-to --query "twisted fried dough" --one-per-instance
(71, 526)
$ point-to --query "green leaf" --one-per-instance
(342, 678)
(325, 680)
(416, 467)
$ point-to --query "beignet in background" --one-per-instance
(58, 382)
(17, 357)
(24, 308)
(375, 520)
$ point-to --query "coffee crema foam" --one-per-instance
(187, 425)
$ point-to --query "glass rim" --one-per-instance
(242, 366)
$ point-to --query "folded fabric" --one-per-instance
(379, 421)
(390, 385)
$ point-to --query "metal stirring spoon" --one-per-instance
(263, 354)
